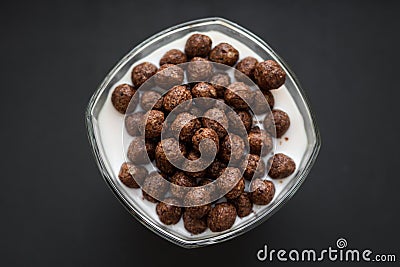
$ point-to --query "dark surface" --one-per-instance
(57, 211)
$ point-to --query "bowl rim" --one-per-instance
(149, 223)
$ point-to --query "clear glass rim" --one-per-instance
(148, 222)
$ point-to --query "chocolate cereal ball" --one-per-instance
(217, 120)
(197, 202)
(142, 73)
(176, 96)
(121, 97)
(231, 149)
(253, 166)
(222, 217)
(194, 226)
(154, 187)
(231, 183)
(198, 45)
(281, 166)
(138, 150)
(246, 66)
(216, 169)
(154, 123)
(277, 122)
(262, 192)
(260, 142)
(129, 174)
(220, 81)
(224, 53)
(169, 75)
(199, 69)
(206, 135)
(263, 101)
(201, 90)
(238, 95)
(173, 56)
(181, 179)
(243, 204)
(184, 126)
(169, 151)
(269, 75)
(239, 119)
(133, 123)
(151, 100)
(169, 213)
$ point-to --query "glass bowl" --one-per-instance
(108, 160)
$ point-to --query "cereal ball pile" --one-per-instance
(173, 128)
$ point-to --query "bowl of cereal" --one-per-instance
(202, 132)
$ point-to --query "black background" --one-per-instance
(57, 211)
